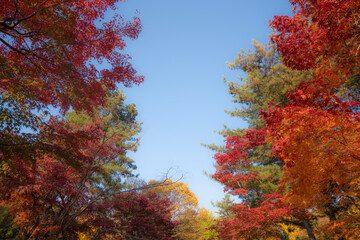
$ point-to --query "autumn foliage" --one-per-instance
(64, 176)
(192, 222)
(49, 49)
(314, 135)
(65, 130)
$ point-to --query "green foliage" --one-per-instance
(268, 80)
(255, 172)
(8, 230)
(118, 120)
(223, 207)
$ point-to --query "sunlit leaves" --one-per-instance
(316, 135)
(48, 54)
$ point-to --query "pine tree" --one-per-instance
(245, 165)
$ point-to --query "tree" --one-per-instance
(135, 215)
(48, 53)
(322, 116)
(85, 162)
(317, 140)
(60, 179)
(48, 50)
(193, 222)
(224, 207)
(261, 209)
(54, 169)
(206, 222)
(245, 165)
(118, 122)
(320, 29)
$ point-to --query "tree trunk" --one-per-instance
(309, 230)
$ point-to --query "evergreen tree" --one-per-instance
(249, 171)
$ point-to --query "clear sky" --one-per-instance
(182, 51)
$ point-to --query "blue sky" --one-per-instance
(182, 51)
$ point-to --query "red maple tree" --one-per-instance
(49, 49)
(316, 134)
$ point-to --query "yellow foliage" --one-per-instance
(193, 221)
(293, 232)
(184, 201)
(87, 235)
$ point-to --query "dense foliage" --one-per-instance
(65, 130)
(297, 163)
(193, 222)
(63, 176)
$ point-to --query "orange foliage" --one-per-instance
(317, 134)
(319, 149)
